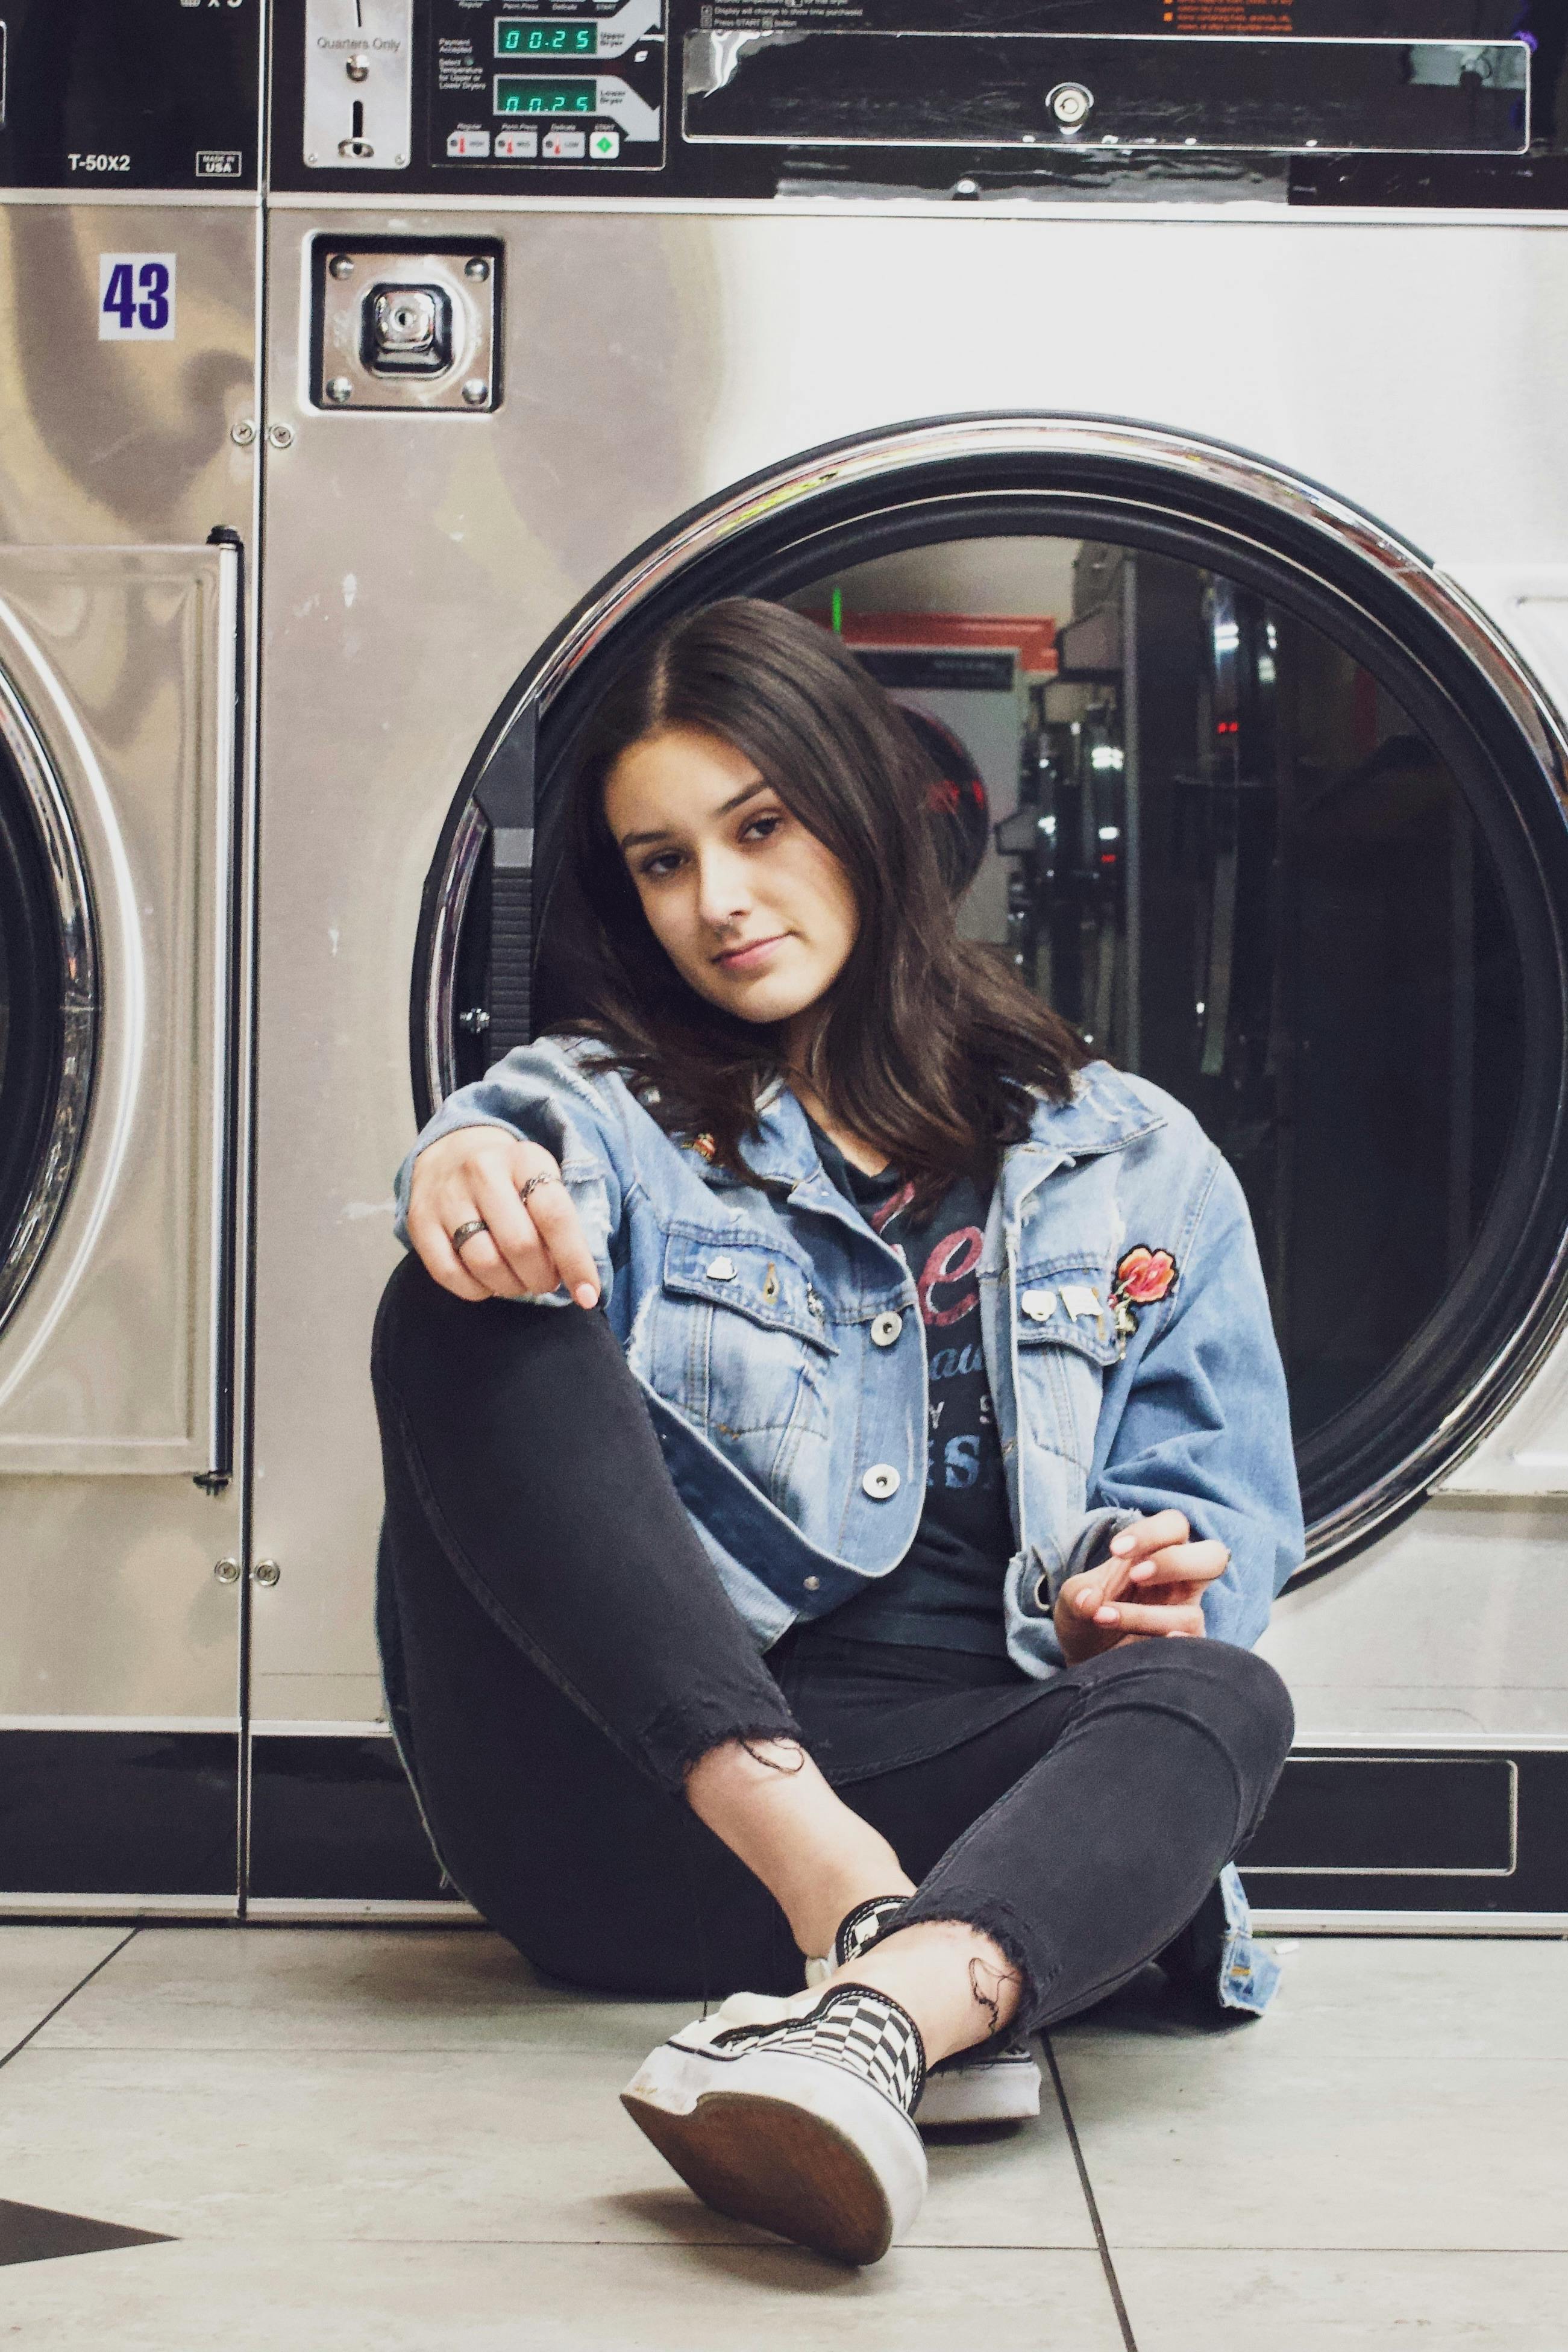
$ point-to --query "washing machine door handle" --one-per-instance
(505, 796)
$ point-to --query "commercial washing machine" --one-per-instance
(1177, 412)
(1172, 413)
(129, 245)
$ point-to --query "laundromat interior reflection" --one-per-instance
(1224, 849)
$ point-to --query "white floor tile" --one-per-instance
(398, 1991)
(1424, 1998)
(1346, 2302)
(1401, 2093)
(1237, 2141)
(39, 1966)
(332, 2298)
(506, 2144)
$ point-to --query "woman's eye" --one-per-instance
(662, 863)
(760, 828)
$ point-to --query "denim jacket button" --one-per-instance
(885, 1329)
(880, 1481)
(720, 1269)
(813, 1583)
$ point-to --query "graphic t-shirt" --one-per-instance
(946, 1593)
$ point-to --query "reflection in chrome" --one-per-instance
(1139, 470)
(440, 1007)
(72, 906)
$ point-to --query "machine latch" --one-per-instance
(407, 330)
(407, 323)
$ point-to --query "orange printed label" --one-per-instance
(1224, 17)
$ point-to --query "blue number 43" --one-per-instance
(120, 296)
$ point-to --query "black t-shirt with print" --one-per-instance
(946, 1593)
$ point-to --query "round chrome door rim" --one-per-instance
(72, 908)
(958, 441)
(1181, 459)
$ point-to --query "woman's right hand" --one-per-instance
(1167, 1574)
(530, 1245)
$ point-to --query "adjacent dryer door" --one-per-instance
(117, 790)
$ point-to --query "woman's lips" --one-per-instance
(746, 957)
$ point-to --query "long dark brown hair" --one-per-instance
(929, 1041)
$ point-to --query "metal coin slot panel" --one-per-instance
(359, 84)
(399, 326)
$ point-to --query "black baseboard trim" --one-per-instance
(121, 1817)
(1463, 1830)
(135, 1813)
(331, 1815)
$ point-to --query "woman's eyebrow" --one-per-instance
(662, 833)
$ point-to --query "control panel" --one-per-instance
(119, 94)
(744, 99)
(522, 81)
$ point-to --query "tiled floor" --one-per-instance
(402, 2141)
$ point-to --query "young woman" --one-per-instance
(821, 1411)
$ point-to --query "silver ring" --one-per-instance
(546, 1176)
(466, 1232)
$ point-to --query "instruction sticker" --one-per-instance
(135, 298)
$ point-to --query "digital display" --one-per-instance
(514, 40)
(523, 94)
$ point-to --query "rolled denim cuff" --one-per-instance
(1089, 1549)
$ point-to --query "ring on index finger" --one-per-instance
(466, 1232)
(545, 1176)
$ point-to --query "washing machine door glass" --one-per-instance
(1282, 836)
(1238, 865)
(47, 1000)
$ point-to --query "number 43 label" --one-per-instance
(135, 298)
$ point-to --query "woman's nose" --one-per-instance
(721, 893)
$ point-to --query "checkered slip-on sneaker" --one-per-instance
(857, 1931)
(800, 2124)
(990, 2084)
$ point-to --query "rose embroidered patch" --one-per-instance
(1143, 1278)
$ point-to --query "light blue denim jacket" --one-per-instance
(760, 1321)
(779, 1343)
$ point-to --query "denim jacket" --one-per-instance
(779, 1345)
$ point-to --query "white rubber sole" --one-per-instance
(1001, 2090)
(794, 2145)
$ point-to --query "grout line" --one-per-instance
(935, 2247)
(1106, 2265)
(733, 2245)
(1243, 2246)
(114, 1955)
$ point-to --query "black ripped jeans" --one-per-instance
(559, 1648)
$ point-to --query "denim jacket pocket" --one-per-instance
(739, 1342)
(1063, 1304)
(754, 1278)
(1065, 1330)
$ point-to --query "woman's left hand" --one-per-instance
(1150, 1585)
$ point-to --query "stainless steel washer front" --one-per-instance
(665, 371)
